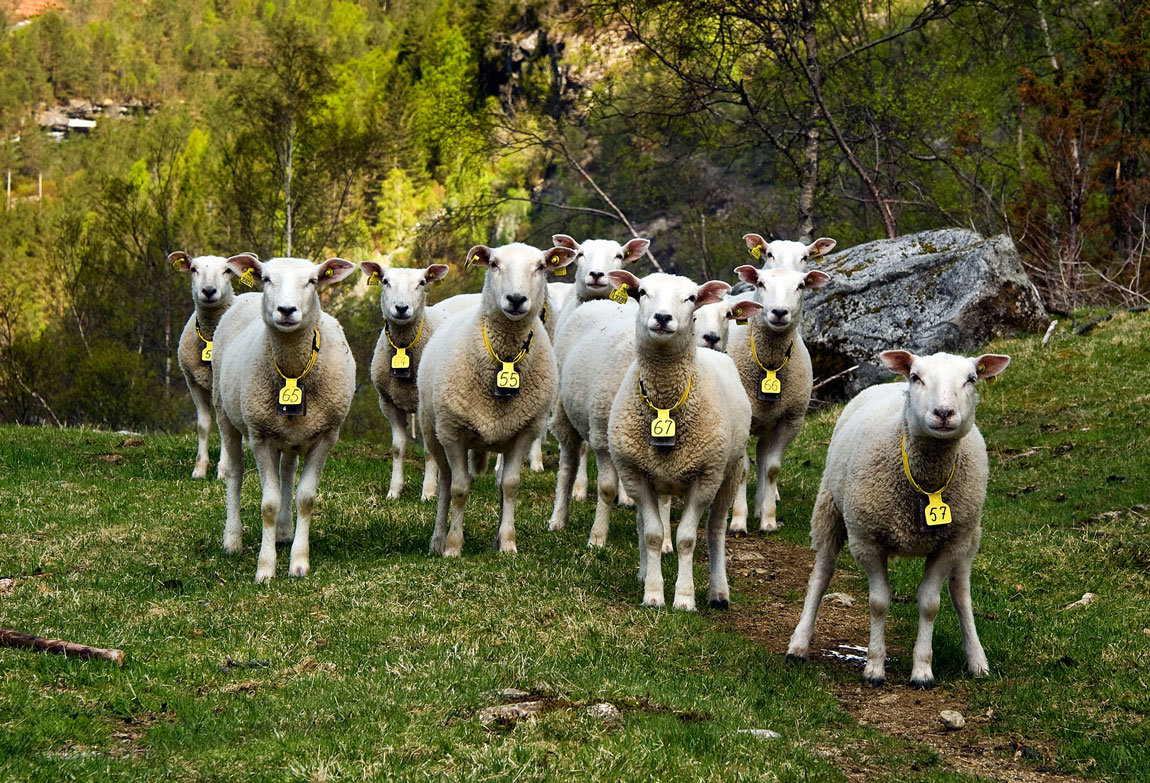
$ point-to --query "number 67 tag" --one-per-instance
(663, 428)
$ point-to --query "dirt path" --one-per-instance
(771, 569)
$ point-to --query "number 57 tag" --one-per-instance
(936, 512)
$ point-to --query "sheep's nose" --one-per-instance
(516, 301)
(944, 413)
(663, 318)
(779, 312)
(402, 309)
(286, 310)
(711, 339)
(596, 276)
(208, 292)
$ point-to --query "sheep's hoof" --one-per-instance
(507, 548)
(796, 658)
(393, 494)
(720, 603)
(300, 569)
(768, 527)
(738, 533)
(922, 685)
(233, 546)
(579, 493)
(653, 600)
(596, 541)
(874, 682)
(981, 670)
(537, 467)
(452, 551)
(668, 547)
(685, 603)
(200, 473)
(264, 576)
(556, 524)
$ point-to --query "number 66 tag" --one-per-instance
(936, 512)
(771, 387)
(663, 428)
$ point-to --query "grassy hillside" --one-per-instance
(376, 665)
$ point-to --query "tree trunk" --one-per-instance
(811, 152)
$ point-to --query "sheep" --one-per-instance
(212, 296)
(408, 325)
(892, 447)
(678, 425)
(488, 382)
(769, 352)
(284, 380)
(712, 322)
(785, 254)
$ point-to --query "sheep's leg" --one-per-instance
(874, 563)
(439, 534)
(398, 421)
(623, 499)
(579, 491)
(650, 541)
(288, 464)
(460, 489)
(313, 463)
(202, 400)
(430, 477)
(739, 511)
(608, 488)
(232, 463)
(509, 493)
(827, 540)
(960, 596)
(770, 455)
(936, 568)
(569, 446)
(718, 591)
(268, 461)
(536, 455)
(479, 462)
(665, 518)
(685, 540)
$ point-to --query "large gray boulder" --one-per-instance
(948, 290)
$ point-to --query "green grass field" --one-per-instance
(376, 665)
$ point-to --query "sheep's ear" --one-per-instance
(756, 244)
(743, 309)
(711, 292)
(562, 240)
(246, 263)
(989, 365)
(333, 270)
(480, 254)
(558, 257)
(374, 272)
(180, 261)
(898, 361)
(748, 274)
(815, 279)
(634, 250)
(820, 247)
(436, 272)
(621, 277)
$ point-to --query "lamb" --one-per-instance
(488, 383)
(284, 380)
(712, 322)
(775, 369)
(906, 475)
(678, 425)
(212, 296)
(785, 254)
(408, 325)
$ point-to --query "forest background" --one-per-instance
(407, 131)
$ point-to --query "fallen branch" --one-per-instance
(1049, 331)
(1087, 327)
(28, 641)
(834, 377)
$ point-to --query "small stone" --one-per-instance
(952, 720)
(511, 693)
(1146, 631)
(511, 714)
(7, 585)
(842, 599)
(1085, 600)
(890, 698)
(761, 733)
(605, 711)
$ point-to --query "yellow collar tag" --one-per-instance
(619, 294)
(662, 426)
(206, 354)
(401, 361)
(374, 279)
(937, 512)
(291, 394)
(247, 278)
(756, 252)
(507, 378)
(771, 383)
(934, 512)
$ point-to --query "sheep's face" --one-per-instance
(516, 279)
(785, 254)
(290, 286)
(780, 292)
(594, 258)
(941, 395)
(667, 304)
(713, 321)
(211, 279)
(403, 292)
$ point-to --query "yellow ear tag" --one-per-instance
(937, 512)
(738, 320)
(374, 279)
(473, 260)
(247, 278)
(328, 273)
(619, 294)
(507, 378)
(176, 263)
(291, 394)
(663, 426)
(560, 271)
(771, 383)
(756, 252)
(206, 354)
(401, 361)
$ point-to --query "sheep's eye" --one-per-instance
(770, 254)
(228, 270)
(619, 257)
(971, 379)
(311, 282)
(914, 378)
(423, 282)
(641, 293)
(386, 283)
(691, 298)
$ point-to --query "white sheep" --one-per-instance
(284, 380)
(713, 321)
(487, 382)
(678, 426)
(408, 325)
(212, 296)
(786, 254)
(775, 370)
(906, 475)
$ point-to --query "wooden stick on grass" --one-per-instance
(26, 640)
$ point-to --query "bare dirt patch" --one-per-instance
(771, 570)
(516, 706)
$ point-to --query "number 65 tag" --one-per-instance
(291, 399)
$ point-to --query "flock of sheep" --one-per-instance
(648, 373)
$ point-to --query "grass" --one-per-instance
(375, 666)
